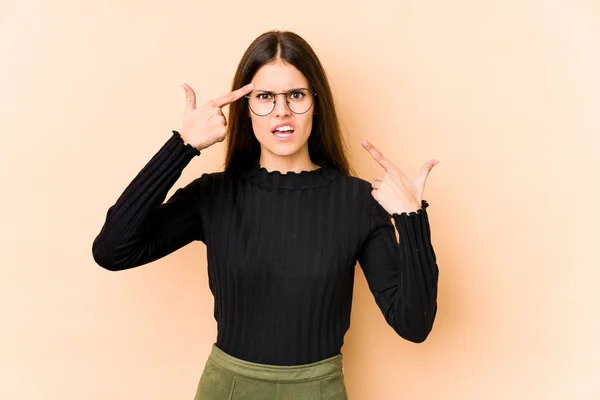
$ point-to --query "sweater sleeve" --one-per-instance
(139, 228)
(403, 277)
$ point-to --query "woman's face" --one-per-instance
(278, 77)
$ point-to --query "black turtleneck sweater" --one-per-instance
(281, 252)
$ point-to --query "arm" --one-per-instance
(138, 228)
(402, 277)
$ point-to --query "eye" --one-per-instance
(264, 96)
(296, 95)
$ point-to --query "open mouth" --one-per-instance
(283, 132)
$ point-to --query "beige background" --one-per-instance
(506, 94)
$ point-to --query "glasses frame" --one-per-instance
(287, 102)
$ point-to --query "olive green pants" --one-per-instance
(229, 378)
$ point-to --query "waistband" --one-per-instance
(276, 373)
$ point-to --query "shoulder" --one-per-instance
(362, 191)
(356, 185)
(206, 183)
(359, 190)
(358, 181)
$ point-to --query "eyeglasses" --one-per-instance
(299, 101)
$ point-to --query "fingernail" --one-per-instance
(364, 142)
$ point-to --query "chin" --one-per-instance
(286, 148)
(282, 151)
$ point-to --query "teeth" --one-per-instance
(284, 128)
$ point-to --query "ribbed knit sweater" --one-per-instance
(281, 252)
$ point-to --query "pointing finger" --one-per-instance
(233, 96)
(377, 156)
(190, 96)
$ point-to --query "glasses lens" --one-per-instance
(299, 100)
(261, 102)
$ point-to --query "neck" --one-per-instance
(287, 164)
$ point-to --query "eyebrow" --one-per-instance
(272, 91)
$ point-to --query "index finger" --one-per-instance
(378, 156)
(233, 96)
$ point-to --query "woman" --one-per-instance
(284, 225)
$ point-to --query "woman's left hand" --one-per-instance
(394, 191)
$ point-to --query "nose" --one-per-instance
(281, 107)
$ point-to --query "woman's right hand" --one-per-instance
(205, 125)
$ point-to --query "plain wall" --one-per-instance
(505, 94)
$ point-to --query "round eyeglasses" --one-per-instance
(262, 102)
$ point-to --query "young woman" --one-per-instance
(284, 225)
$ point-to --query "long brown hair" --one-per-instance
(325, 144)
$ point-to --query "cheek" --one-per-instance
(260, 126)
(306, 122)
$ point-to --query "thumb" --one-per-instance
(425, 170)
(190, 96)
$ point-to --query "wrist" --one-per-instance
(186, 143)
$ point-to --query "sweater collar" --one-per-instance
(320, 177)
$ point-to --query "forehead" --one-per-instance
(279, 75)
